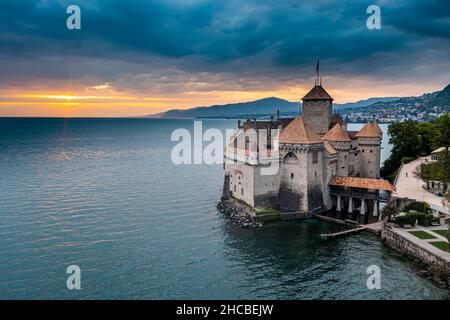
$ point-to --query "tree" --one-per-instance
(443, 128)
(423, 172)
(390, 209)
(405, 141)
(428, 171)
(428, 136)
(410, 139)
(443, 165)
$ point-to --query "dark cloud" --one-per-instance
(121, 39)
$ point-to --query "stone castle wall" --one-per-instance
(293, 188)
(343, 149)
(266, 188)
(241, 181)
(317, 113)
(315, 179)
(370, 150)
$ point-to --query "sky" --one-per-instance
(140, 57)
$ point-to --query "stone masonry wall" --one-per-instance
(317, 113)
(370, 149)
(403, 245)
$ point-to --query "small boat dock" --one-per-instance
(342, 233)
(354, 227)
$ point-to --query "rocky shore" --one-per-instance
(239, 213)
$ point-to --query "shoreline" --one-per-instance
(242, 215)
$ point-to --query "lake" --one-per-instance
(103, 194)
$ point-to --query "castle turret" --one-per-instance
(342, 143)
(301, 180)
(317, 109)
(369, 145)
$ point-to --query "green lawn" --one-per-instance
(263, 211)
(442, 232)
(422, 234)
(440, 245)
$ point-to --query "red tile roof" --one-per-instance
(370, 130)
(298, 132)
(329, 147)
(317, 93)
(363, 183)
(336, 133)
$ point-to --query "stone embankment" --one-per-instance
(434, 266)
(239, 213)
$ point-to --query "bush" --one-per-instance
(417, 206)
(406, 219)
(422, 219)
(435, 219)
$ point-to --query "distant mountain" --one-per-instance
(441, 99)
(364, 103)
(255, 109)
(423, 103)
(264, 108)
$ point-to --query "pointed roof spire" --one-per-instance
(317, 93)
(298, 132)
(337, 134)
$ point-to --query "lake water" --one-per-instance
(103, 194)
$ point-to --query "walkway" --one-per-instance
(410, 187)
(426, 243)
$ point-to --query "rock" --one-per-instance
(238, 213)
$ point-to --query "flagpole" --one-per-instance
(318, 81)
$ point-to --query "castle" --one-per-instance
(321, 165)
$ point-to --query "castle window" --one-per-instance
(315, 174)
(234, 188)
(362, 150)
(242, 191)
(247, 143)
(371, 150)
(292, 176)
(315, 157)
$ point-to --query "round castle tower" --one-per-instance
(369, 146)
(301, 176)
(340, 140)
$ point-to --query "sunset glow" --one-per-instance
(73, 104)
